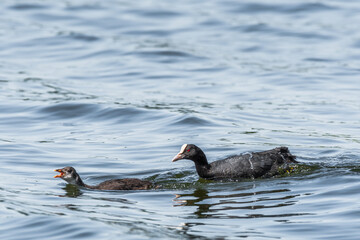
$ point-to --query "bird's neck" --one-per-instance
(202, 165)
(78, 181)
(203, 170)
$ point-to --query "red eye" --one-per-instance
(188, 150)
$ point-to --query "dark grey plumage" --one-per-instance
(70, 175)
(249, 165)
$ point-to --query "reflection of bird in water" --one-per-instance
(70, 175)
(200, 195)
(219, 206)
(251, 165)
(71, 191)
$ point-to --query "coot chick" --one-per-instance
(249, 165)
(70, 175)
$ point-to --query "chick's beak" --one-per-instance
(179, 156)
(60, 171)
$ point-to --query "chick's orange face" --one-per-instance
(59, 175)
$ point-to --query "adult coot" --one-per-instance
(249, 165)
(70, 175)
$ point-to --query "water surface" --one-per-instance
(114, 88)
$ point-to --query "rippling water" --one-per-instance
(114, 88)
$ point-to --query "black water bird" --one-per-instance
(70, 175)
(248, 165)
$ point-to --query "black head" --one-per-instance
(191, 152)
(69, 174)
